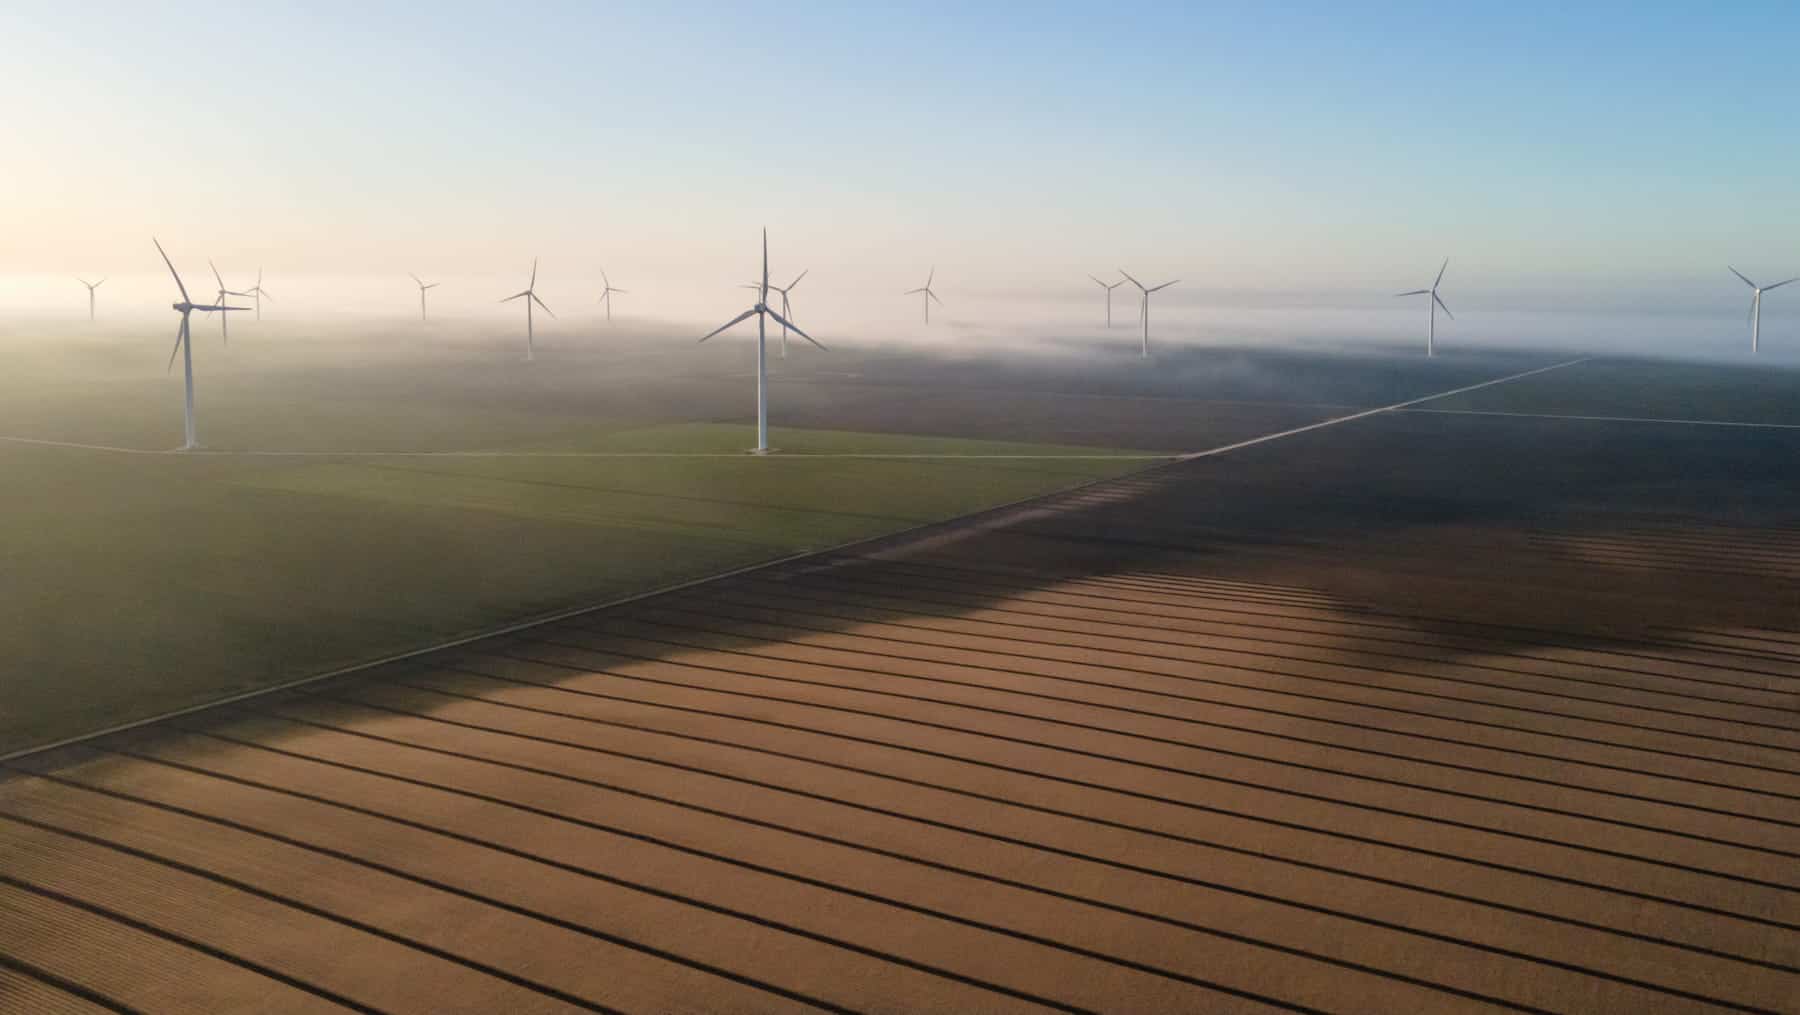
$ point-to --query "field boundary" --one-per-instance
(864, 544)
(1609, 419)
(922, 455)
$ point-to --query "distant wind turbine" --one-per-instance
(184, 343)
(606, 294)
(787, 309)
(762, 312)
(1144, 304)
(1433, 304)
(929, 295)
(1109, 289)
(422, 287)
(224, 329)
(91, 286)
(1756, 292)
(530, 296)
(259, 292)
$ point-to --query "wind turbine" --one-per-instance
(786, 308)
(258, 292)
(531, 297)
(224, 330)
(762, 312)
(1434, 304)
(91, 286)
(1756, 292)
(1109, 289)
(929, 295)
(606, 294)
(184, 343)
(1144, 304)
(422, 287)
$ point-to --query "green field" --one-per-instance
(138, 584)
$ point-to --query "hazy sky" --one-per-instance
(1251, 149)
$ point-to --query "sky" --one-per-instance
(1591, 157)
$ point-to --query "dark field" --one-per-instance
(1418, 712)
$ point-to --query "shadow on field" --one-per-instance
(1467, 531)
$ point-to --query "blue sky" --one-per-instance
(1569, 152)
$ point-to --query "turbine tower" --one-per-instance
(224, 330)
(606, 294)
(1756, 292)
(929, 295)
(91, 286)
(1109, 289)
(530, 296)
(184, 344)
(1433, 304)
(259, 292)
(762, 312)
(1144, 304)
(422, 287)
(786, 307)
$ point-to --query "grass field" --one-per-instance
(139, 584)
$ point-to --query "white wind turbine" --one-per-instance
(786, 307)
(259, 292)
(1756, 292)
(929, 295)
(1144, 304)
(224, 329)
(91, 286)
(1433, 304)
(184, 343)
(762, 312)
(530, 296)
(423, 285)
(606, 294)
(1109, 289)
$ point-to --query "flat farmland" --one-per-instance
(295, 545)
(1414, 712)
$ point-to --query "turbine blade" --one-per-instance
(1415, 292)
(1165, 285)
(533, 284)
(547, 310)
(910, 292)
(179, 328)
(515, 296)
(796, 280)
(795, 328)
(430, 285)
(1133, 281)
(172, 271)
(409, 274)
(934, 297)
(1441, 306)
(1098, 282)
(1765, 288)
(605, 283)
(103, 282)
(1740, 274)
(1440, 277)
(215, 269)
(930, 275)
(727, 324)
